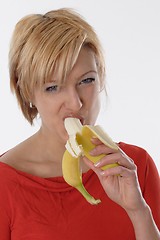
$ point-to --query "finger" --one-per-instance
(116, 158)
(126, 158)
(125, 155)
(119, 171)
(102, 149)
(91, 165)
(96, 141)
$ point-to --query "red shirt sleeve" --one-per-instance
(148, 176)
(5, 217)
(152, 189)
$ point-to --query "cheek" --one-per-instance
(94, 99)
(94, 110)
(45, 108)
(92, 105)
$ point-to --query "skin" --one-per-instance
(79, 97)
(122, 186)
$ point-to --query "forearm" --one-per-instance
(144, 225)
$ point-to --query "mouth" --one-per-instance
(76, 116)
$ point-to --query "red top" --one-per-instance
(35, 208)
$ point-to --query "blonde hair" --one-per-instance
(43, 43)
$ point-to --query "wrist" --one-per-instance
(144, 224)
(139, 213)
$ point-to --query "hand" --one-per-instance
(120, 183)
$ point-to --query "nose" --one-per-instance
(73, 100)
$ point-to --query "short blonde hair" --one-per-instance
(43, 43)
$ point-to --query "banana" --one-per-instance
(73, 176)
(79, 144)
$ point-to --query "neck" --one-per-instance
(51, 150)
(49, 147)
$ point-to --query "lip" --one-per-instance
(75, 116)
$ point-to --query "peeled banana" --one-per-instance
(79, 144)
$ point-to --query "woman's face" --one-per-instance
(78, 97)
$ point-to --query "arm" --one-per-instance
(122, 186)
(144, 224)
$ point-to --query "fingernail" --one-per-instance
(97, 164)
(102, 173)
(93, 138)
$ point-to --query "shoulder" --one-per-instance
(13, 159)
(144, 162)
(7, 175)
(137, 153)
(132, 148)
(140, 156)
(8, 186)
(146, 168)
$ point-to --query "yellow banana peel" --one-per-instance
(79, 144)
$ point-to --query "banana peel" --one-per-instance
(79, 144)
(73, 176)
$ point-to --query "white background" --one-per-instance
(130, 34)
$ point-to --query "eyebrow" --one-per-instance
(91, 71)
(81, 76)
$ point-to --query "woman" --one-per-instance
(57, 70)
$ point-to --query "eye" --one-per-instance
(87, 81)
(53, 88)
